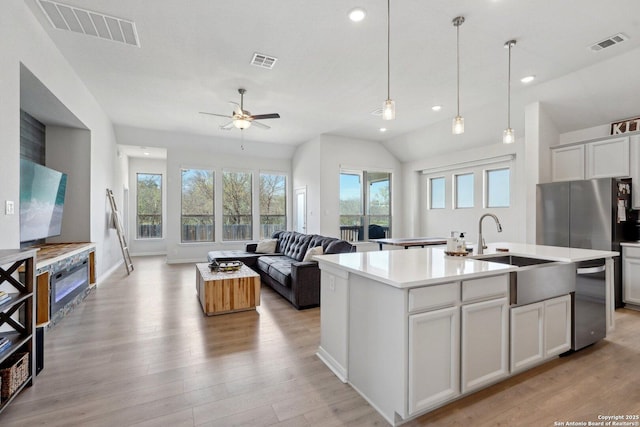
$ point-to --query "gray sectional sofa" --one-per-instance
(285, 271)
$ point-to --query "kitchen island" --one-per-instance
(413, 330)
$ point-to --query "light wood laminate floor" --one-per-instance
(139, 352)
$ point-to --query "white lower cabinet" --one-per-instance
(434, 358)
(485, 338)
(540, 331)
(631, 275)
(557, 325)
(527, 336)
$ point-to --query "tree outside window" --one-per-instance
(237, 218)
(197, 208)
(149, 206)
(273, 204)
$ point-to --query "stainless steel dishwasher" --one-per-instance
(589, 304)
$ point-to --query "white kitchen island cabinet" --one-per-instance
(539, 331)
(414, 330)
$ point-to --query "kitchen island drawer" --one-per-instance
(432, 297)
(487, 287)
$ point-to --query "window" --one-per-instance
(273, 204)
(498, 188)
(237, 219)
(436, 193)
(149, 206)
(365, 205)
(464, 190)
(197, 217)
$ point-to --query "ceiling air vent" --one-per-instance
(263, 61)
(64, 17)
(609, 41)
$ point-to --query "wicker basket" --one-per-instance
(13, 373)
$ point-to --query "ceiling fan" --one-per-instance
(241, 118)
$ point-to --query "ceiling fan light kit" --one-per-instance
(243, 119)
(457, 126)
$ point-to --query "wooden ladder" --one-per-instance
(117, 223)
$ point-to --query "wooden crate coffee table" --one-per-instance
(221, 292)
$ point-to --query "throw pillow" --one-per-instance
(267, 246)
(311, 252)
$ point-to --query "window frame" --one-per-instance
(353, 232)
(213, 201)
(456, 187)
(251, 215)
(285, 195)
(430, 192)
(486, 187)
(137, 214)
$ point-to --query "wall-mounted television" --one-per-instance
(42, 192)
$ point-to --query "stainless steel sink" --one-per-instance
(536, 279)
(516, 260)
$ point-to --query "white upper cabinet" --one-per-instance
(634, 150)
(608, 158)
(567, 163)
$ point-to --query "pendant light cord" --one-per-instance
(509, 89)
(458, 64)
(388, 49)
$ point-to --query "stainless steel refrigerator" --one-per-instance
(589, 214)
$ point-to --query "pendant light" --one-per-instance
(389, 106)
(458, 122)
(508, 136)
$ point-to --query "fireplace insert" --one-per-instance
(68, 283)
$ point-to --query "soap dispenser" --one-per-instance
(462, 245)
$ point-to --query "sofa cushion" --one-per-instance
(265, 261)
(338, 247)
(308, 256)
(267, 246)
(281, 271)
(317, 240)
(296, 246)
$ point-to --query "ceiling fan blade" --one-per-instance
(217, 115)
(227, 126)
(260, 125)
(266, 116)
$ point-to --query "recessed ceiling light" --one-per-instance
(146, 153)
(383, 129)
(436, 107)
(528, 79)
(357, 14)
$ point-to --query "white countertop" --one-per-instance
(631, 244)
(408, 268)
(412, 267)
(553, 253)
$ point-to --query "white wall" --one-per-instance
(439, 223)
(205, 152)
(26, 42)
(307, 173)
(146, 246)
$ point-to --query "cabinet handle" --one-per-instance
(591, 270)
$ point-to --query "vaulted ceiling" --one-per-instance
(330, 73)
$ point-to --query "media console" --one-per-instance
(65, 272)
